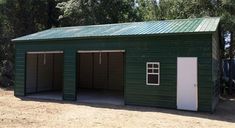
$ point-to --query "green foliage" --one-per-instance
(17, 18)
(181, 9)
(29, 16)
(84, 12)
(6, 64)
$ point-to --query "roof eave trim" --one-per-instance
(101, 37)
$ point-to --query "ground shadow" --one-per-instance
(224, 112)
(8, 88)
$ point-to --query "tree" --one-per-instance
(18, 18)
(87, 12)
(6, 50)
(30, 16)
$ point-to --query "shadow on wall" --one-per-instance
(224, 112)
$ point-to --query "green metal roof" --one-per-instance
(128, 29)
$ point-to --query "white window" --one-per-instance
(153, 73)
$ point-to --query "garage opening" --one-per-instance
(100, 77)
(44, 74)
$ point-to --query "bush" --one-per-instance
(6, 65)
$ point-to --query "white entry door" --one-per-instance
(187, 90)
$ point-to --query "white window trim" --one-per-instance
(158, 63)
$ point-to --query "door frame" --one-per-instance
(194, 85)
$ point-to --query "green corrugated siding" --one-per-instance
(215, 70)
(164, 49)
(69, 89)
(20, 71)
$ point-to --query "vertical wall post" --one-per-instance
(69, 90)
(20, 73)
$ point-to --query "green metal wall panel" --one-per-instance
(138, 51)
(19, 88)
(69, 74)
(215, 69)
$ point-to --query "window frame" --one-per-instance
(147, 73)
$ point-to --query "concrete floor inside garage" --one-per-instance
(100, 97)
(85, 96)
(50, 95)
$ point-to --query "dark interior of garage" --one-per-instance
(100, 77)
(44, 75)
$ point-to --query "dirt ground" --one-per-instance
(16, 112)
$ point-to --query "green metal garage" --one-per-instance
(168, 63)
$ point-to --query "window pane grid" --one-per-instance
(153, 68)
(153, 73)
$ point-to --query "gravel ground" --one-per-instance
(16, 112)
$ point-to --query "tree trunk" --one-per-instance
(230, 64)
